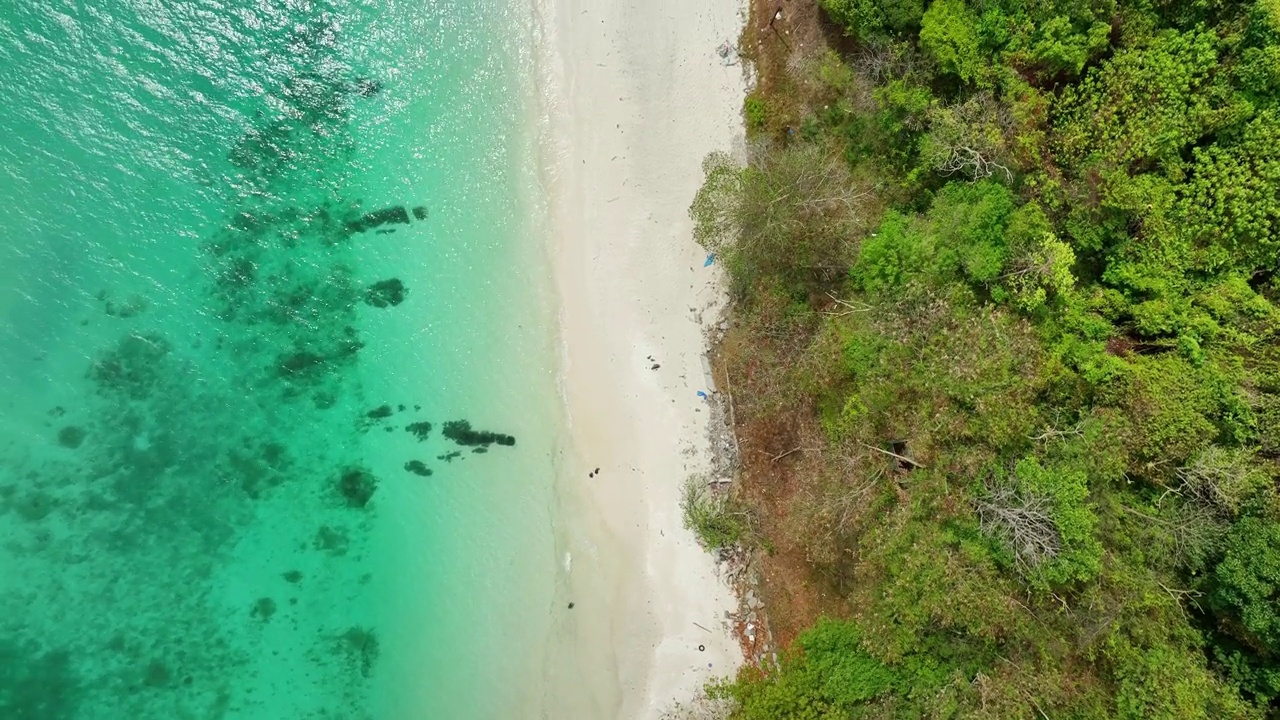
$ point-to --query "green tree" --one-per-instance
(868, 18)
(894, 255)
(1146, 103)
(788, 218)
(1247, 580)
(1232, 200)
(1040, 266)
(948, 32)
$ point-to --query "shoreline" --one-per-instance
(633, 99)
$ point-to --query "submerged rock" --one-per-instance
(461, 433)
(370, 220)
(419, 468)
(419, 430)
(386, 293)
(380, 412)
(420, 212)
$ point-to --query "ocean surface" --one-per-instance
(278, 419)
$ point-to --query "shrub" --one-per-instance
(710, 515)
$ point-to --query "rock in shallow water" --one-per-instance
(419, 468)
(386, 293)
(71, 437)
(461, 433)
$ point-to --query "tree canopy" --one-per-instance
(1008, 273)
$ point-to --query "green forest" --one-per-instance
(1004, 351)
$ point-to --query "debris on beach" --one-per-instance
(728, 54)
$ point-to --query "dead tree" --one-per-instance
(1023, 521)
(969, 139)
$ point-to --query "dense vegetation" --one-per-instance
(1004, 358)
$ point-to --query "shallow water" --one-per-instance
(250, 251)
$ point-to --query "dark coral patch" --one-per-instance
(417, 467)
(71, 437)
(371, 220)
(386, 293)
(419, 430)
(333, 541)
(132, 367)
(461, 433)
(157, 674)
(263, 609)
(357, 485)
(360, 646)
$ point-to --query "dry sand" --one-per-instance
(636, 95)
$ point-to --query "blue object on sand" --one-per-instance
(702, 395)
(710, 259)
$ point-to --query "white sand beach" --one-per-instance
(636, 96)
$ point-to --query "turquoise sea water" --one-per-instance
(250, 250)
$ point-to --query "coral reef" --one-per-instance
(334, 541)
(36, 684)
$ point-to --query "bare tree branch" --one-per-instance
(1023, 521)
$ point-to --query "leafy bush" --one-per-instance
(710, 515)
(756, 112)
(868, 18)
(948, 33)
(828, 675)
